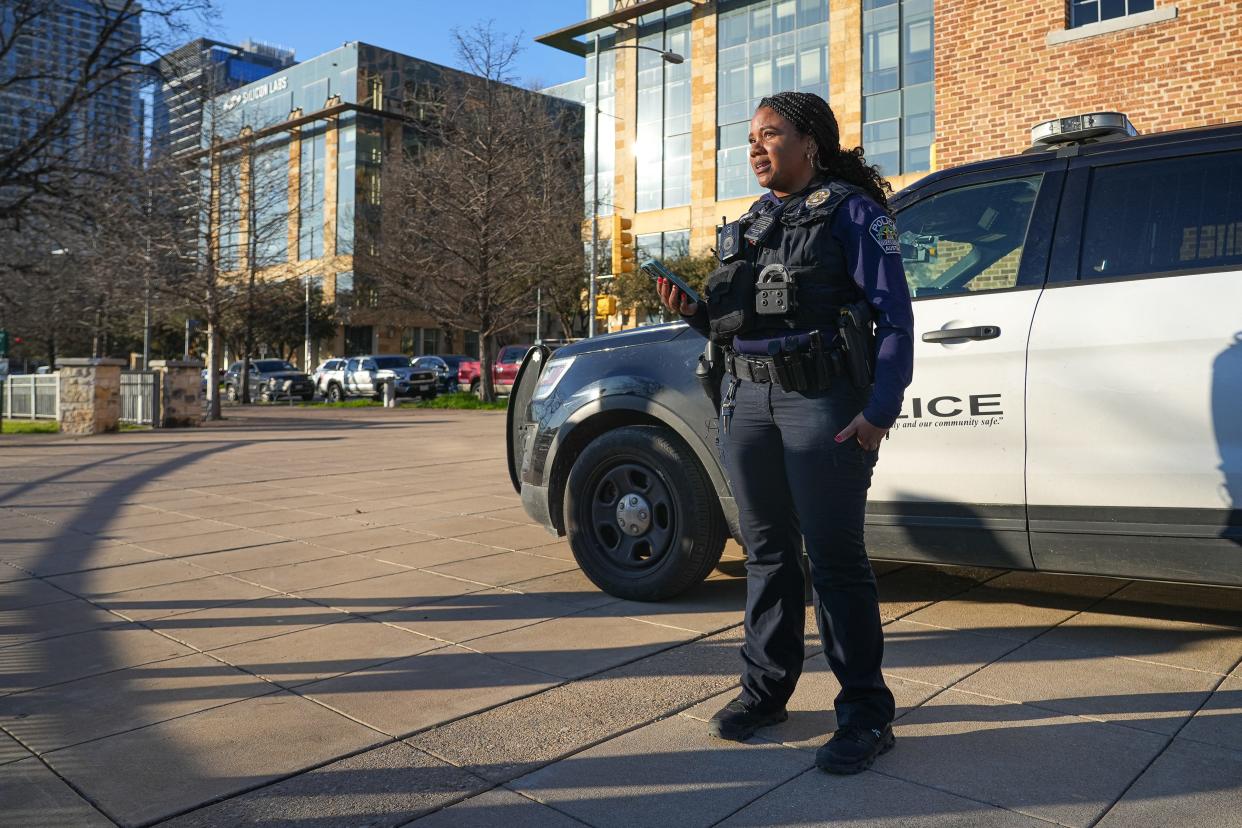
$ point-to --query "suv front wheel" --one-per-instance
(641, 515)
(335, 395)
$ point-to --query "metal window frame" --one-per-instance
(901, 88)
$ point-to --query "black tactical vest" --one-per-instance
(802, 241)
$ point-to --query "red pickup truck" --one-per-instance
(504, 370)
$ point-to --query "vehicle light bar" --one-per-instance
(1081, 127)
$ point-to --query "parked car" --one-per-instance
(504, 370)
(1076, 394)
(366, 376)
(270, 379)
(447, 368)
(326, 369)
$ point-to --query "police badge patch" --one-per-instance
(817, 198)
(884, 231)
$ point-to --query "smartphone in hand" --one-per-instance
(656, 270)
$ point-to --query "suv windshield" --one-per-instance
(271, 366)
(389, 363)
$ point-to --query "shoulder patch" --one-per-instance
(817, 198)
(884, 231)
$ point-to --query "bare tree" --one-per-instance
(486, 205)
(47, 165)
(636, 289)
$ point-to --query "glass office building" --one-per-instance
(310, 190)
(54, 46)
(186, 78)
(674, 150)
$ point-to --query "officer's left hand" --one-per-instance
(868, 436)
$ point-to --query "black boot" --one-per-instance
(737, 721)
(853, 749)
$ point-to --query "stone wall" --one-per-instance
(181, 392)
(90, 395)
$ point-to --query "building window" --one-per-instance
(270, 194)
(671, 244)
(375, 91)
(764, 47)
(1083, 12)
(898, 88)
(662, 150)
(607, 127)
(358, 340)
(344, 291)
(314, 167)
(423, 341)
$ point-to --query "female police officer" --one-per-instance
(820, 240)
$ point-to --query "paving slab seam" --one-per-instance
(455, 463)
(966, 797)
(1017, 644)
(1110, 723)
(274, 691)
(533, 767)
(494, 786)
(756, 798)
(1084, 650)
(268, 783)
(8, 693)
(69, 784)
(462, 643)
(1170, 739)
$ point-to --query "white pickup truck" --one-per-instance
(366, 376)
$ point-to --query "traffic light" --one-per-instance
(622, 245)
(605, 305)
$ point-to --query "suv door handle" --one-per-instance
(977, 332)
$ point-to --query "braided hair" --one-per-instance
(811, 115)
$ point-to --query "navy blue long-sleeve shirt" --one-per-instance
(882, 278)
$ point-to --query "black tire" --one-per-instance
(684, 533)
(308, 398)
(476, 388)
(230, 393)
(428, 395)
(335, 394)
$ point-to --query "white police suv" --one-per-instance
(1077, 394)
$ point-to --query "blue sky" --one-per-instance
(416, 27)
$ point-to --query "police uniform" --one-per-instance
(791, 480)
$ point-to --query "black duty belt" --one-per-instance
(797, 371)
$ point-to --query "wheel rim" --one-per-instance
(632, 516)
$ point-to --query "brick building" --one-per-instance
(920, 84)
(1178, 64)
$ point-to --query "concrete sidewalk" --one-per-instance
(344, 618)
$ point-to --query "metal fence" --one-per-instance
(32, 397)
(140, 397)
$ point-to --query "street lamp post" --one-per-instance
(306, 343)
(668, 57)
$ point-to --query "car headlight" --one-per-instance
(551, 376)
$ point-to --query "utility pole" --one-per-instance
(594, 202)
